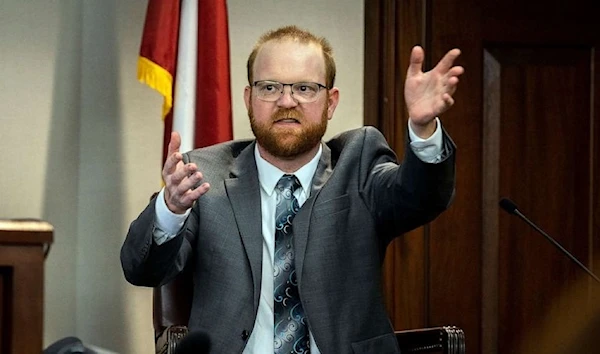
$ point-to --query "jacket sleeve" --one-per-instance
(404, 196)
(148, 264)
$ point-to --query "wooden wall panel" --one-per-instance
(490, 192)
(541, 142)
(406, 266)
(455, 250)
(594, 220)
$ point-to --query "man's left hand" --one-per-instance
(429, 94)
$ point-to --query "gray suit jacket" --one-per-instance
(360, 200)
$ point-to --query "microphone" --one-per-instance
(511, 208)
(194, 343)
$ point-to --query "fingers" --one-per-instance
(171, 163)
(181, 172)
(456, 71)
(184, 193)
(452, 84)
(188, 198)
(451, 79)
(450, 88)
(183, 187)
(448, 100)
(417, 55)
(173, 154)
(182, 181)
(448, 60)
(429, 94)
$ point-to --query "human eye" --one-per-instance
(306, 88)
(268, 87)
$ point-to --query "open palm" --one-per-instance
(429, 94)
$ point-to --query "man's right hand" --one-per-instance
(180, 179)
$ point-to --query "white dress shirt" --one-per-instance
(168, 225)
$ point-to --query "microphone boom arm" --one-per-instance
(511, 208)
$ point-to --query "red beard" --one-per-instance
(288, 141)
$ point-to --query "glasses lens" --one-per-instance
(268, 90)
(305, 91)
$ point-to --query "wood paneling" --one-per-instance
(388, 54)
(535, 158)
(490, 192)
(594, 220)
(455, 247)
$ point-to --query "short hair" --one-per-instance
(301, 35)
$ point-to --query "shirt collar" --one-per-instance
(269, 175)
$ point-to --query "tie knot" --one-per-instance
(287, 183)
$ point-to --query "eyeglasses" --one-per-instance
(303, 92)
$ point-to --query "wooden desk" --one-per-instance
(23, 244)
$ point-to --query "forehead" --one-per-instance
(289, 61)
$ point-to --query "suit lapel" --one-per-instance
(243, 190)
(302, 220)
(244, 194)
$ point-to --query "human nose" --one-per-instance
(286, 99)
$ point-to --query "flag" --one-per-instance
(184, 55)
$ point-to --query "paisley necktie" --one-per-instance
(291, 328)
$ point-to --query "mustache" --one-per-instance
(287, 113)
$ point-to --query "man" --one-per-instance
(286, 235)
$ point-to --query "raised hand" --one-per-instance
(429, 94)
(180, 179)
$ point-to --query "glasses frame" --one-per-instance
(291, 85)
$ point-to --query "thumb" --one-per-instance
(417, 56)
(174, 143)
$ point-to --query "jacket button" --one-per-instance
(245, 335)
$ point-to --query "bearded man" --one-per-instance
(285, 234)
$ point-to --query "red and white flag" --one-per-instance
(184, 55)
